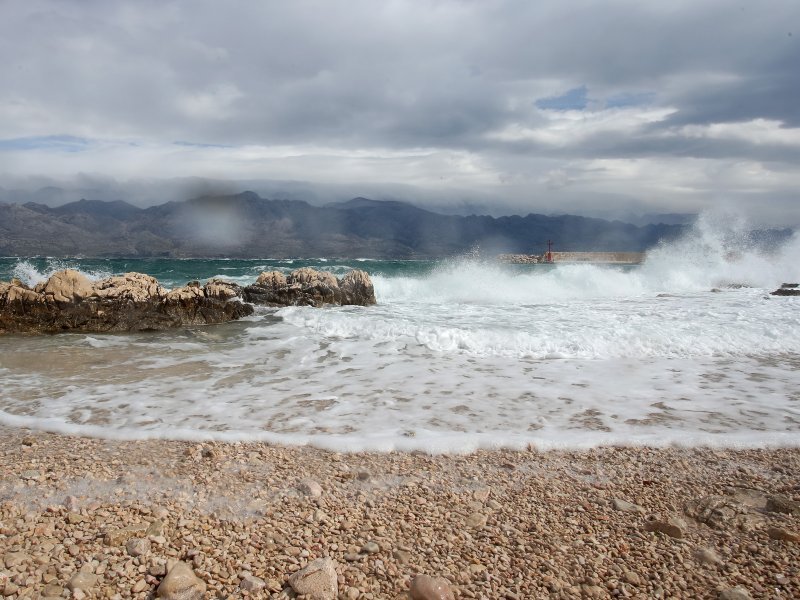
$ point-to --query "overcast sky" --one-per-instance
(512, 106)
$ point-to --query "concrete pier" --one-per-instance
(599, 258)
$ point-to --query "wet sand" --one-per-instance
(495, 524)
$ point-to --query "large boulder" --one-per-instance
(309, 287)
(69, 301)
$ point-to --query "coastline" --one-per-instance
(499, 523)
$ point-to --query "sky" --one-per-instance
(490, 106)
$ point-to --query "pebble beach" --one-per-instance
(93, 518)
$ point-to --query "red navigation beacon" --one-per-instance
(549, 256)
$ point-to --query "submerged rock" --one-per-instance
(787, 289)
(309, 287)
(69, 301)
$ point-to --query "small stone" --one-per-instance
(784, 535)
(251, 583)
(139, 586)
(71, 503)
(311, 488)
(735, 593)
(364, 475)
(707, 556)
(181, 584)
(632, 578)
(74, 518)
(155, 529)
(10, 589)
(402, 556)
(320, 516)
(117, 537)
(782, 504)
(137, 546)
(625, 506)
(53, 590)
(31, 475)
(82, 581)
(425, 587)
(482, 494)
(352, 556)
(352, 593)
(78, 594)
(14, 559)
(674, 528)
(476, 520)
(318, 580)
(371, 548)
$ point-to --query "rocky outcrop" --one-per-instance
(787, 289)
(308, 287)
(69, 301)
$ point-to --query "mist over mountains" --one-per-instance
(245, 225)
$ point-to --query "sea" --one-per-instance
(686, 349)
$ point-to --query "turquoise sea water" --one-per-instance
(177, 272)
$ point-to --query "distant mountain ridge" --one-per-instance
(247, 226)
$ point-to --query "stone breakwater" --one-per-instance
(70, 301)
(92, 518)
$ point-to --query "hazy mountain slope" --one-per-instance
(245, 225)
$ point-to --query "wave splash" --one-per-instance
(719, 251)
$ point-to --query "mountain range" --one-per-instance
(247, 226)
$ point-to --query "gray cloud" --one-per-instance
(444, 101)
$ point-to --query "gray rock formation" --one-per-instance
(787, 289)
(308, 287)
(69, 301)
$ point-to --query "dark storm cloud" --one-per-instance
(444, 91)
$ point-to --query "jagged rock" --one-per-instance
(782, 504)
(69, 301)
(707, 556)
(317, 581)
(117, 537)
(251, 583)
(719, 512)
(222, 290)
(136, 287)
(308, 287)
(67, 286)
(181, 584)
(357, 287)
(784, 535)
(425, 587)
(625, 506)
(735, 593)
(674, 528)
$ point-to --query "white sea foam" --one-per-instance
(470, 355)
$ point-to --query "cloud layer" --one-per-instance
(512, 105)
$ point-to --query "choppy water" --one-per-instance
(457, 355)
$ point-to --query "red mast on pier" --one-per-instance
(549, 256)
